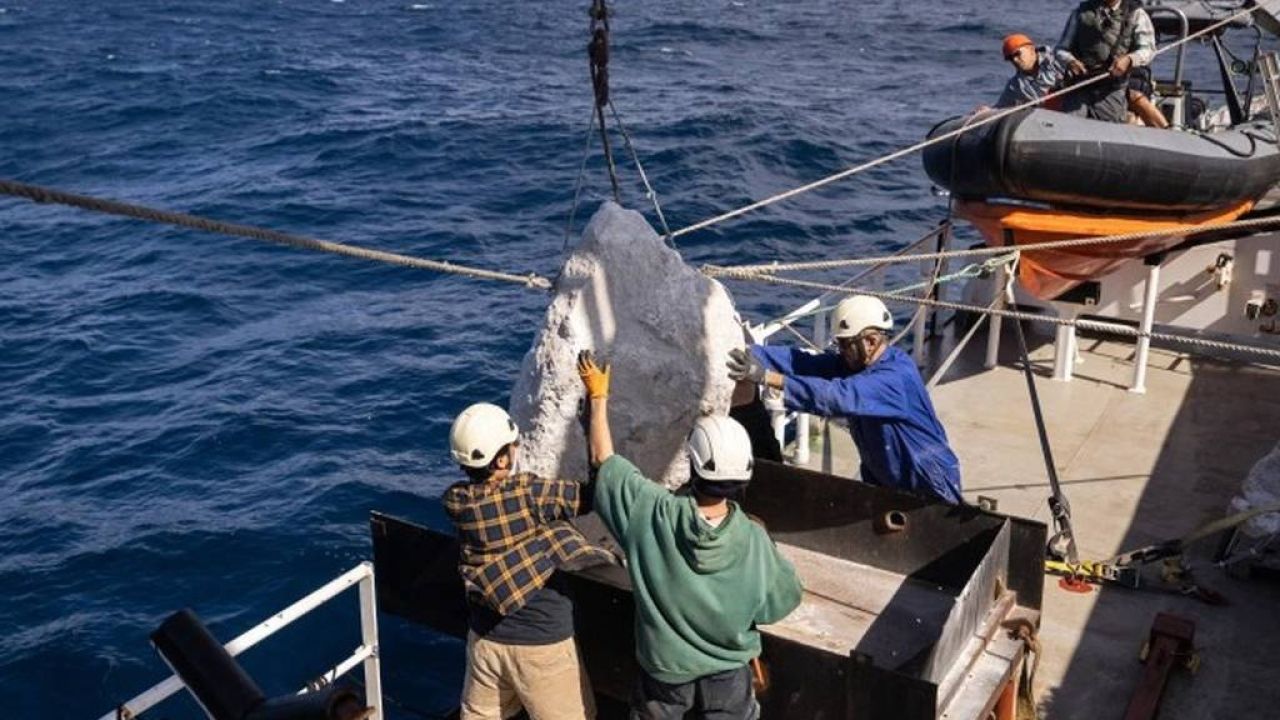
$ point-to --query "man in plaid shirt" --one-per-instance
(515, 534)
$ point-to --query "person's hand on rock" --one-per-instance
(594, 377)
(743, 365)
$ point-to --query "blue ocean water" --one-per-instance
(192, 420)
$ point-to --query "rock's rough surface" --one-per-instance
(1261, 488)
(665, 328)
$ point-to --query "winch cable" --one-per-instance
(986, 120)
(38, 194)
(1062, 545)
(598, 53)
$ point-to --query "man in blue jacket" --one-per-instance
(875, 387)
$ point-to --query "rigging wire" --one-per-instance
(648, 189)
(577, 188)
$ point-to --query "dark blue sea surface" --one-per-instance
(193, 420)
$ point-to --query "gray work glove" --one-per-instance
(743, 365)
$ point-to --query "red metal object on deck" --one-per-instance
(1007, 706)
(1075, 585)
(1169, 646)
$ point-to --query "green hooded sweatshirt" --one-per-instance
(699, 590)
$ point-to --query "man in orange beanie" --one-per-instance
(1039, 72)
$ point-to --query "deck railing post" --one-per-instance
(1064, 353)
(919, 336)
(778, 418)
(944, 269)
(802, 454)
(995, 323)
(369, 638)
(1148, 319)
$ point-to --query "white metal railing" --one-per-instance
(939, 239)
(1066, 345)
(366, 654)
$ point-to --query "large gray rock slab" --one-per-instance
(666, 329)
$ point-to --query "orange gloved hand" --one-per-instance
(594, 377)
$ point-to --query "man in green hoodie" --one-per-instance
(703, 574)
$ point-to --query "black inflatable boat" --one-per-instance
(1050, 157)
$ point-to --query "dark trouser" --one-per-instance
(1104, 100)
(722, 696)
(759, 426)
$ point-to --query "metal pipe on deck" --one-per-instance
(369, 639)
(1064, 353)
(1148, 319)
(778, 419)
(802, 454)
(996, 322)
(919, 336)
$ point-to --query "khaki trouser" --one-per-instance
(546, 680)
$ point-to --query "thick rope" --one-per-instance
(775, 267)
(1018, 315)
(39, 194)
(944, 137)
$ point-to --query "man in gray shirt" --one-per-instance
(1105, 36)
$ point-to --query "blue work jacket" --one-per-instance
(892, 421)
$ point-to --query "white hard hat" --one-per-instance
(479, 432)
(857, 313)
(720, 449)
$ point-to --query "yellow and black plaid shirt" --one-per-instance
(514, 534)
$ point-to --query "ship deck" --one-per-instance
(1136, 468)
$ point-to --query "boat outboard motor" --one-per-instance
(226, 692)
